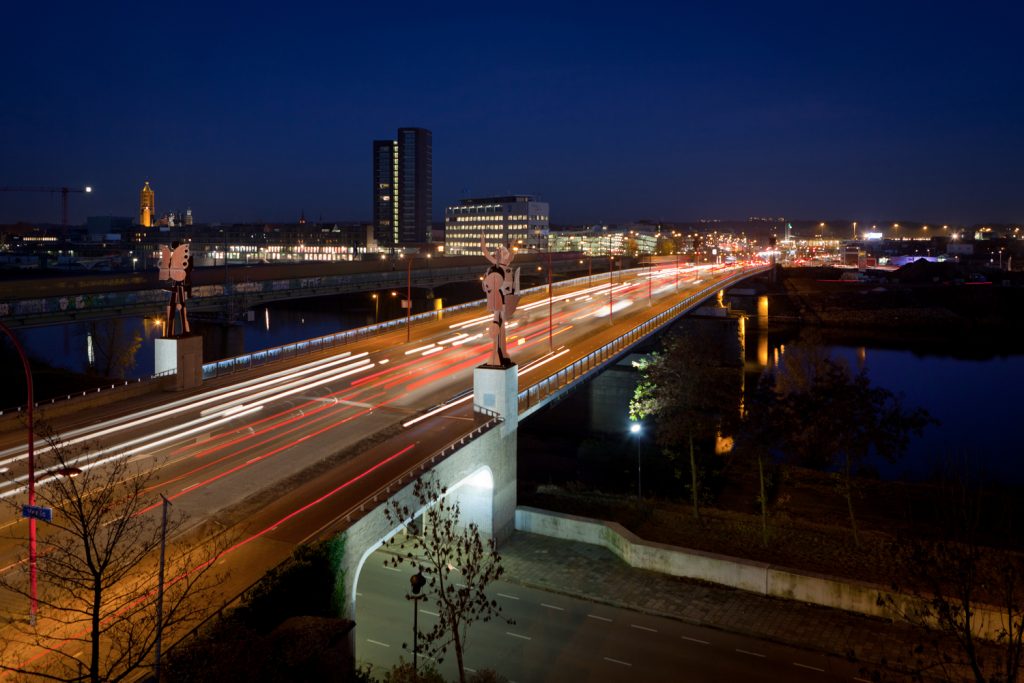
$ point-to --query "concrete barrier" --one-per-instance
(757, 577)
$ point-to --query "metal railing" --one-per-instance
(540, 392)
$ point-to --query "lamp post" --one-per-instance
(551, 343)
(635, 429)
(160, 585)
(417, 581)
(376, 307)
(408, 302)
(33, 601)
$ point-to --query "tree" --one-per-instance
(457, 563)
(843, 419)
(114, 350)
(972, 562)
(761, 436)
(692, 394)
(97, 569)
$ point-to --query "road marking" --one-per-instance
(805, 666)
(695, 640)
(861, 680)
(377, 642)
(516, 635)
(748, 652)
(560, 609)
(472, 671)
(426, 611)
(617, 661)
(643, 628)
(391, 569)
(599, 618)
(506, 595)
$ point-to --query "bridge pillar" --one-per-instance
(497, 389)
(184, 357)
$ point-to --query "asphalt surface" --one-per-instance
(557, 637)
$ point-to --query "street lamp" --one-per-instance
(33, 601)
(635, 429)
(376, 307)
(417, 581)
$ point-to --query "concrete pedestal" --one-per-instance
(182, 356)
(497, 389)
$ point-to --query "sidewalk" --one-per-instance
(593, 573)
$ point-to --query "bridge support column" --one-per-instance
(497, 389)
(184, 357)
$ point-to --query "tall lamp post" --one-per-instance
(551, 343)
(33, 601)
(376, 307)
(408, 302)
(417, 581)
(635, 429)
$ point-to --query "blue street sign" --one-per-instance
(37, 512)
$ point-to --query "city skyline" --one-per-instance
(662, 113)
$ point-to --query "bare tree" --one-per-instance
(98, 568)
(457, 563)
(966, 581)
(114, 348)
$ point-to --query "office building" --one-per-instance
(518, 221)
(403, 188)
(147, 206)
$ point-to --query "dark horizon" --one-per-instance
(877, 111)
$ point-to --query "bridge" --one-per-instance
(76, 297)
(294, 446)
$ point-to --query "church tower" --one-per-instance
(147, 206)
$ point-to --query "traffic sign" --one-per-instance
(37, 512)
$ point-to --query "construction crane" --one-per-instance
(64, 191)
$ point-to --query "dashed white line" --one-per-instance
(516, 635)
(695, 640)
(617, 661)
(861, 680)
(506, 595)
(391, 569)
(428, 612)
(643, 628)
(560, 609)
(748, 652)
(377, 642)
(599, 618)
(472, 671)
(807, 666)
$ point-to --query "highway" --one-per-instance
(558, 638)
(232, 451)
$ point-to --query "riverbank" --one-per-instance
(922, 303)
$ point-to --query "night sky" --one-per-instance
(255, 112)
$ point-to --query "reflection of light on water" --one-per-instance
(266, 319)
(90, 354)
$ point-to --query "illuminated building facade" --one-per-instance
(403, 188)
(516, 221)
(147, 206)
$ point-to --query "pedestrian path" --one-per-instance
(594, 573)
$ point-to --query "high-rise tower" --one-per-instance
(147, 206)
(403, 188)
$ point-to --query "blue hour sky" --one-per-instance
(610, 112)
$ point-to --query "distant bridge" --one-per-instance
(59, 299)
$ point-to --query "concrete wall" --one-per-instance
(757, 577)
(482, 478)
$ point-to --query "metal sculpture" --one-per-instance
(501, 285)
(176, 273)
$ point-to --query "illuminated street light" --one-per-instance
(635, 429)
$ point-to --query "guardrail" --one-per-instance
(538, 393)
(257, 359)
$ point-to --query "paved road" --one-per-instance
(558, 638)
